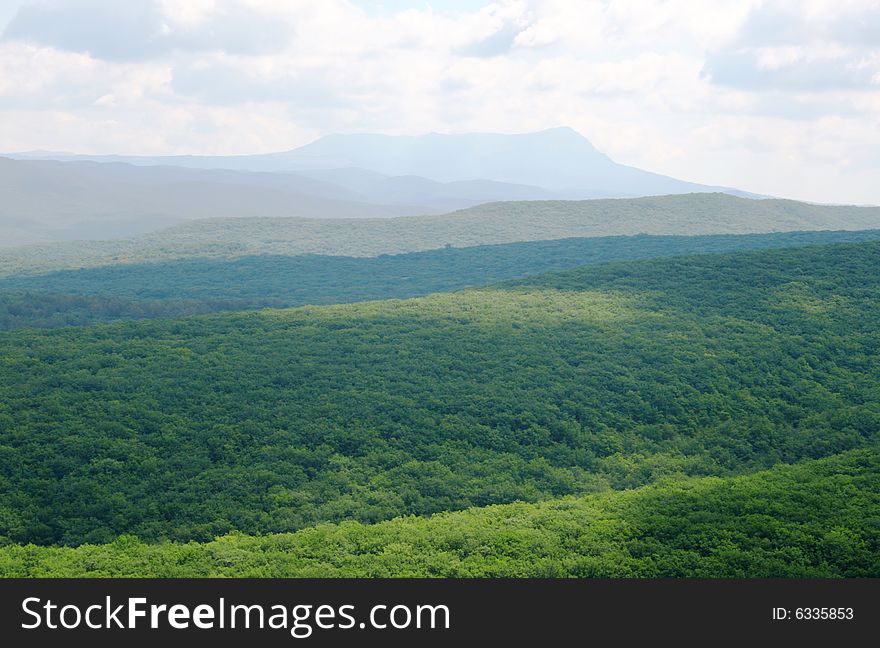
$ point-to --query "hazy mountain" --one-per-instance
(486, 224)
(559, 161)
(51, 200)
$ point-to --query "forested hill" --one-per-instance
(571, 383)
(494, 223)
(191, 286)
(815, 519)
(814, 284)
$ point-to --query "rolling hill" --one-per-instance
(816, 519)
(200, 285)
(482, 225)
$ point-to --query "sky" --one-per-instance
(773, 96)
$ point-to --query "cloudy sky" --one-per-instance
(778, 97)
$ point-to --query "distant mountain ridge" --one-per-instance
(45, 200)
(558, 161)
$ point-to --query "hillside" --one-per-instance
(201, 285)
(482, 225)
(816, 519)
(569, 383)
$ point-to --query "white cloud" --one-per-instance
(773, 96)
(808, 45)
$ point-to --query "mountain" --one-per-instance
(559, 161)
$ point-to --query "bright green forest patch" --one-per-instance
(815, 519)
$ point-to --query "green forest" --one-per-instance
(816, 519)
(201, 285)
(703, 415)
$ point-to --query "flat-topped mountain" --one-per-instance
(554, 163)
(558, 159)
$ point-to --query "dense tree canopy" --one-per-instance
(570, 383)
(816, 519)
(192, 286)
